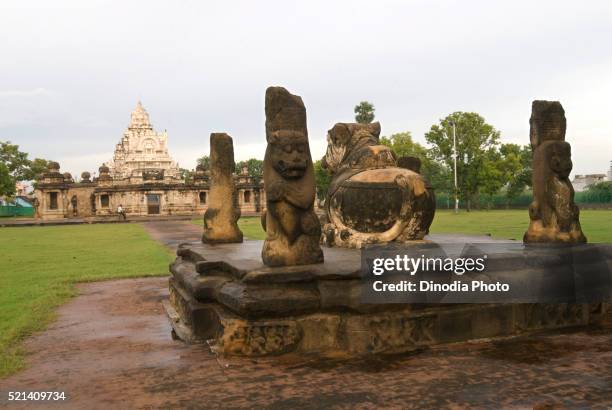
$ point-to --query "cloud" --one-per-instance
(24, 93)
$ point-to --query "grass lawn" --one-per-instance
(512, 224)
(249, 225)
(500, 224)
(40, 265)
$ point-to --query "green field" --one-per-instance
(512, 224)
(40, 265)
(249, 225)
(500, 224)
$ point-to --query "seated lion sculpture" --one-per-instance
(370, 198)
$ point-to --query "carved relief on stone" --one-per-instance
(553, 213)
(221, 217)
(153, 175)
(387, 333)
(260, 338)
(370, 198)
(550, 316)
(292, 228)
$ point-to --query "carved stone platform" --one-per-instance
(225, 295)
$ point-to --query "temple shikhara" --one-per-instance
(142, 151)
(142, 177)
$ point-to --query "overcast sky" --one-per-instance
(72, 71)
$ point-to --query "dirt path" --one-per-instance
(111, 349)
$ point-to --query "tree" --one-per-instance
(17, 167)
(403, 145)
(322, 180)
(204, 161)
(600, 192)
(15, 161)
(491, 175)
(436, 173)
(36, 168)
(7, 184)
(254, 167)
(364, 112)
(474, 139)
(186, 175)
(517, 168)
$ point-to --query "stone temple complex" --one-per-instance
(142, 177)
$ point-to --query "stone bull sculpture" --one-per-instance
(370, 198)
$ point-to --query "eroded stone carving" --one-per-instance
(391, 332)
(153, 175)
(411, 163)
(546, 316)
(370, 198)
(258, 339)
(85, 177)
(221, 217)
(292, 228)
(68, 177)
(553, 213)
(104, 177)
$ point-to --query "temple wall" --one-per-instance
(49, 208)
(175, 199)
(251, 199)
(83, 195)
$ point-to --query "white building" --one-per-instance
(582, 182)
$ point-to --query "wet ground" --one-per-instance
(172, 233)
(110, 348)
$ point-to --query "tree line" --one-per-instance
(485, 167)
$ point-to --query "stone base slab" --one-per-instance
(393, 331)
(223, 295)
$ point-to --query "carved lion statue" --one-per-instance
(553, 212)
(370, 198)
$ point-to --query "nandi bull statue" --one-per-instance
(370, 198)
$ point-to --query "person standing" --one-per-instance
(121, 212)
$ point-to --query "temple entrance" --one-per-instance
(153, 204)
(74, 202)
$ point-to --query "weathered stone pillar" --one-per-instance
(292, 228)
(553, 213)
(221, 217)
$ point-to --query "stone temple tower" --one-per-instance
(142, 151)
